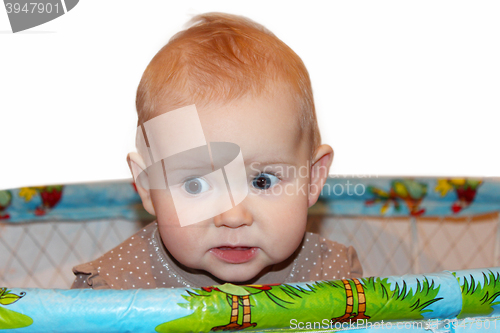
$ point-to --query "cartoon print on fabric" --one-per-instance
(409, 191)
(274, 306)
(479, 300)
(10, 319)
(50, 196)
(465, 189)
(238, 296)
(5, 200)
(350, 314)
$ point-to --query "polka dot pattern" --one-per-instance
(322, 259)
(143, 262)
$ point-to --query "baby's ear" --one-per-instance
(138, 170)
(322, 160)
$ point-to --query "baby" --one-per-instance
(250, 89)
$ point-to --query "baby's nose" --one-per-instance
(234, 218)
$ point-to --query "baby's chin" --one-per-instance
(237, 273)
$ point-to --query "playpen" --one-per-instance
(430, 238)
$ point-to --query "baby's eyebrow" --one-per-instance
(257, 163)
(178, 168)
(197, 158)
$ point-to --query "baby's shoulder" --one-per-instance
(121, 266)
(322, 244)
(335, 260)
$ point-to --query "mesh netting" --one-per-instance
(41, 255)
(397, 246)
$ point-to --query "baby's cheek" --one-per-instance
(289, 227)
(291, 212)
(183, 243)
(294, 238)
(164, 208)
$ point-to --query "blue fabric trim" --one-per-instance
(147, 310)
(88, 201)
(347, 196)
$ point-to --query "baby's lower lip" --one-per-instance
(234, 255)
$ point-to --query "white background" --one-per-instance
(401, 87)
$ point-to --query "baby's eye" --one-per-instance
(196, 185)
(264, 181)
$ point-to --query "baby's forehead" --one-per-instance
(248, 117)
(281, 104)
(264, 119)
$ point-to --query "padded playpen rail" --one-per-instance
(440, 302)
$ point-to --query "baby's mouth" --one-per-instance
(235, 254)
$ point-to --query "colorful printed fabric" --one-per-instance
(75, 202)
(349, 196)
(432, 301)
(384, 196)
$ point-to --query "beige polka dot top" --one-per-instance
(143, 262)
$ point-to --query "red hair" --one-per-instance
(223, 57)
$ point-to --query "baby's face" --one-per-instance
(269, 224)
